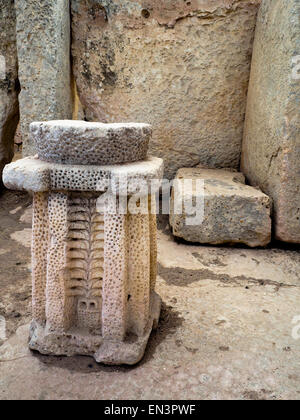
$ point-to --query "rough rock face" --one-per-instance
(43, 39)
(181, 66)
(233, 212)
(9, 87)
(32, 174)
(87, 143)
(271, 148)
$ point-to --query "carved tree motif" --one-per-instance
(85, 258)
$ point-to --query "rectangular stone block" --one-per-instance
(271, 145)
(232, 212)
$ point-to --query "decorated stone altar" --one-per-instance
(93, 259)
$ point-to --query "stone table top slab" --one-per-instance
(32, 174)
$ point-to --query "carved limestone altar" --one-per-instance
(93, 266)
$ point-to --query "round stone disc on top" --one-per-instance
(87, 143)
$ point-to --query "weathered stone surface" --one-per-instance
(233, 212)
(181, 66)
(271, 147)
(91, 278)
(248, 300)
(130, 351)
(43, 40)
(9, 87)
(32, 174)
(94, 245)
(86, 143)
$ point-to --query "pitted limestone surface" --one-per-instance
(85, 260)
(57, 314)
(85, 143)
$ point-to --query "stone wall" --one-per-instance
(271, 148)
(182, 66)
(9, 86)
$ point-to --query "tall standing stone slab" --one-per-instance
(271, 147)
(181, 66)
(43, 39)
(9, 87)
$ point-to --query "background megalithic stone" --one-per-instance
(93, 264)
(271, 145)
(9, 86)
(181, 66)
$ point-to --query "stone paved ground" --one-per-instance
(225, 331)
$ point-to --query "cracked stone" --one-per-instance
(170, 64)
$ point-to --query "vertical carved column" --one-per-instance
(115, 273)
(85, 260)
(138, 272)
(153, 242)
(57, 262)
(40, 242)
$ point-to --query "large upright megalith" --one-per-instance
(43, 40)
(271, 146)
(182, 66)
(214, 206)
(9, 86)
